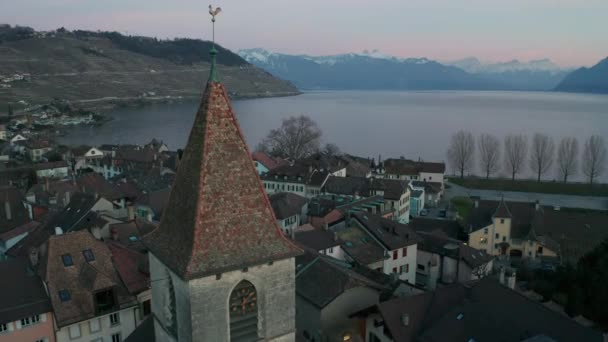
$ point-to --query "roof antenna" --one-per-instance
(212, 72)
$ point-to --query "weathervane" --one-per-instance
(214, 13)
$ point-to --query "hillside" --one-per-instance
(100, 68)
(587, 80)
(365, 71)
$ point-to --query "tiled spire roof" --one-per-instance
(218, 217)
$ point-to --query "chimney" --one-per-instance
(7, 210)
(58, 231)
(114, 233)
(46, 184)
(537, 205)
(34, 257)
(405, 319)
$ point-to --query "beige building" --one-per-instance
(511, 228)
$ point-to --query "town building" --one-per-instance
(3, 133)
(26, 313)
(297, 178)
(410, 170)
(320, 240)
(36, 148)
(264, 163)
(58, 169)
(88, 298)
(15, 220)
(220, 267)
(480, 311)
(289, 210)
(443, 260)
(538, 234)
(395, 192)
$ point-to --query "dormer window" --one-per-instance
(502, 221)
(67, 260)
(88, 255)
(104, 301)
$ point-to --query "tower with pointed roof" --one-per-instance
(220, 267)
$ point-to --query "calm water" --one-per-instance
(412, 124)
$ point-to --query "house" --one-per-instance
(83, 212)
(397, 242)
(536, 233)
(264, 163)
(16, 138)
(332, 211)
(14, 218)
(411, 170)
(441, 259)
(10, 238)
(137, 158)
(296, 178)
(480, 311)
(289, 209)
(88, 298)
(395, 192)
(157, 145)
(129, 234)
(51, 193)
(36, 148)
(416, 202)
(26, 313)
(449, 228)
(433, 191)
(58, 169)
(150, 207)
(320, 240)
(82, 156)
(5, 151)
(97, 185)
(327, 292)
(3, 132)
(333, 164)
(133, 269)
(106, 166)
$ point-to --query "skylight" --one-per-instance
(132, 238)
(64, 295)
(460, 316)
(67, 260)
(88, 255)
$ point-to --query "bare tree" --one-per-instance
(594, 157)
(516, 148)
(541, 154)
(461, 151)
(489, 154)
(298, 137)
(331, 150)
(566, 157)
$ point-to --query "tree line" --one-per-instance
(540, 153)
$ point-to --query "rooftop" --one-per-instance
(391, 234)
(287, 204)
(22, 293)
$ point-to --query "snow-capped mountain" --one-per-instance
(372, 69)
(473, 65)
(366, 70)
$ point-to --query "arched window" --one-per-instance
(170, 309)
(243, 308)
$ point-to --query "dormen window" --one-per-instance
(88, 255)
(502, 221)
(67, 260)
(244, 312)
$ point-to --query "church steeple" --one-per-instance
(218, 217)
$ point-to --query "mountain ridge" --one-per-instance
(587, 80)
(469, 73)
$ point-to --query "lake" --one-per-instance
(414, 124)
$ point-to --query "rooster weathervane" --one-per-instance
(214, 13)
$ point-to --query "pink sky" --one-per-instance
(570, 32)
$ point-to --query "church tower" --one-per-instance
(220, 267)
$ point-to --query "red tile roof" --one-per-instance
(265, 160)
(218, 217)
(132, 267)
